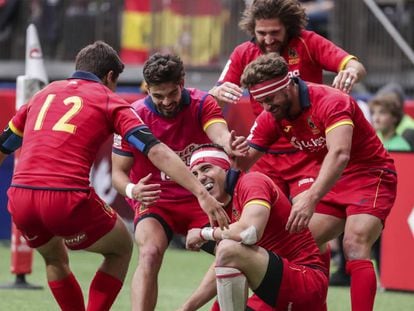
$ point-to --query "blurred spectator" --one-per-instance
(387, 114)
(406, 126)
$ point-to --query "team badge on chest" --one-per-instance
(312, 126)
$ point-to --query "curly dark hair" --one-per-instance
(263, 68)
(160, 68)
(99, 58)
(290, 13)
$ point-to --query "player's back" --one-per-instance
(64, 126)
(299, 248)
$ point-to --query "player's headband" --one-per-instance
(261, 90)
(210, 155)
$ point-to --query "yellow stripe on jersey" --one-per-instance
(345, 61)
(377, 190)
(258, 202)
(342, 122)
(212, 121)
(15, 130)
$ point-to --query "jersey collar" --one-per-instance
(232, 178)
(85, 75)
(185, 101)
(303, 93)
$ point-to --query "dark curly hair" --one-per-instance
(290, 13)
(160, 68)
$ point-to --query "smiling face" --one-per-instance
(278, 103)
(166, 98)
(270, 35)
(213, 178)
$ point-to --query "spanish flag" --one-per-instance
(136, 31)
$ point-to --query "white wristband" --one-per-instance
(207, 233)
(128, 190)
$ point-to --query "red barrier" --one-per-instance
(397, 244)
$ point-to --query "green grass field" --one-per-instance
(180, 274)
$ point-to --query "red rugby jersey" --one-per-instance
(181, 133)
(63, 127)
(323, 109)
(299, 248)
(307, 56)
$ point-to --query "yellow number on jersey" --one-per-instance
(62, 124)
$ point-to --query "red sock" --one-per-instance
(215, 306)
(103, 291)
(363, 284)
(68, 293)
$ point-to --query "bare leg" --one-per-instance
(116, 247)
(152, 242)
(62, 282)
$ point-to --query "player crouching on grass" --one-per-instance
(284, 270)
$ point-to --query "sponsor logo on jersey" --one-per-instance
(185, 154)
(312, 144)
(294, 73)
(76, 239)
(305, 181)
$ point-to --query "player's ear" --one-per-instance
(109, 80)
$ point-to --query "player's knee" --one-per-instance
(227, 252)
(150, 255)
(356, 247)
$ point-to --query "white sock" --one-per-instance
(231, 289)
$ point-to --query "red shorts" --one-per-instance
(179, 215)
(302, 289)
(371, 191)
(292, 172)
(80, 217)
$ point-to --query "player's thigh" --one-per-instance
(54, 251)
(149, 232)
(251, 260)
(325, 227)
(116, 241)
